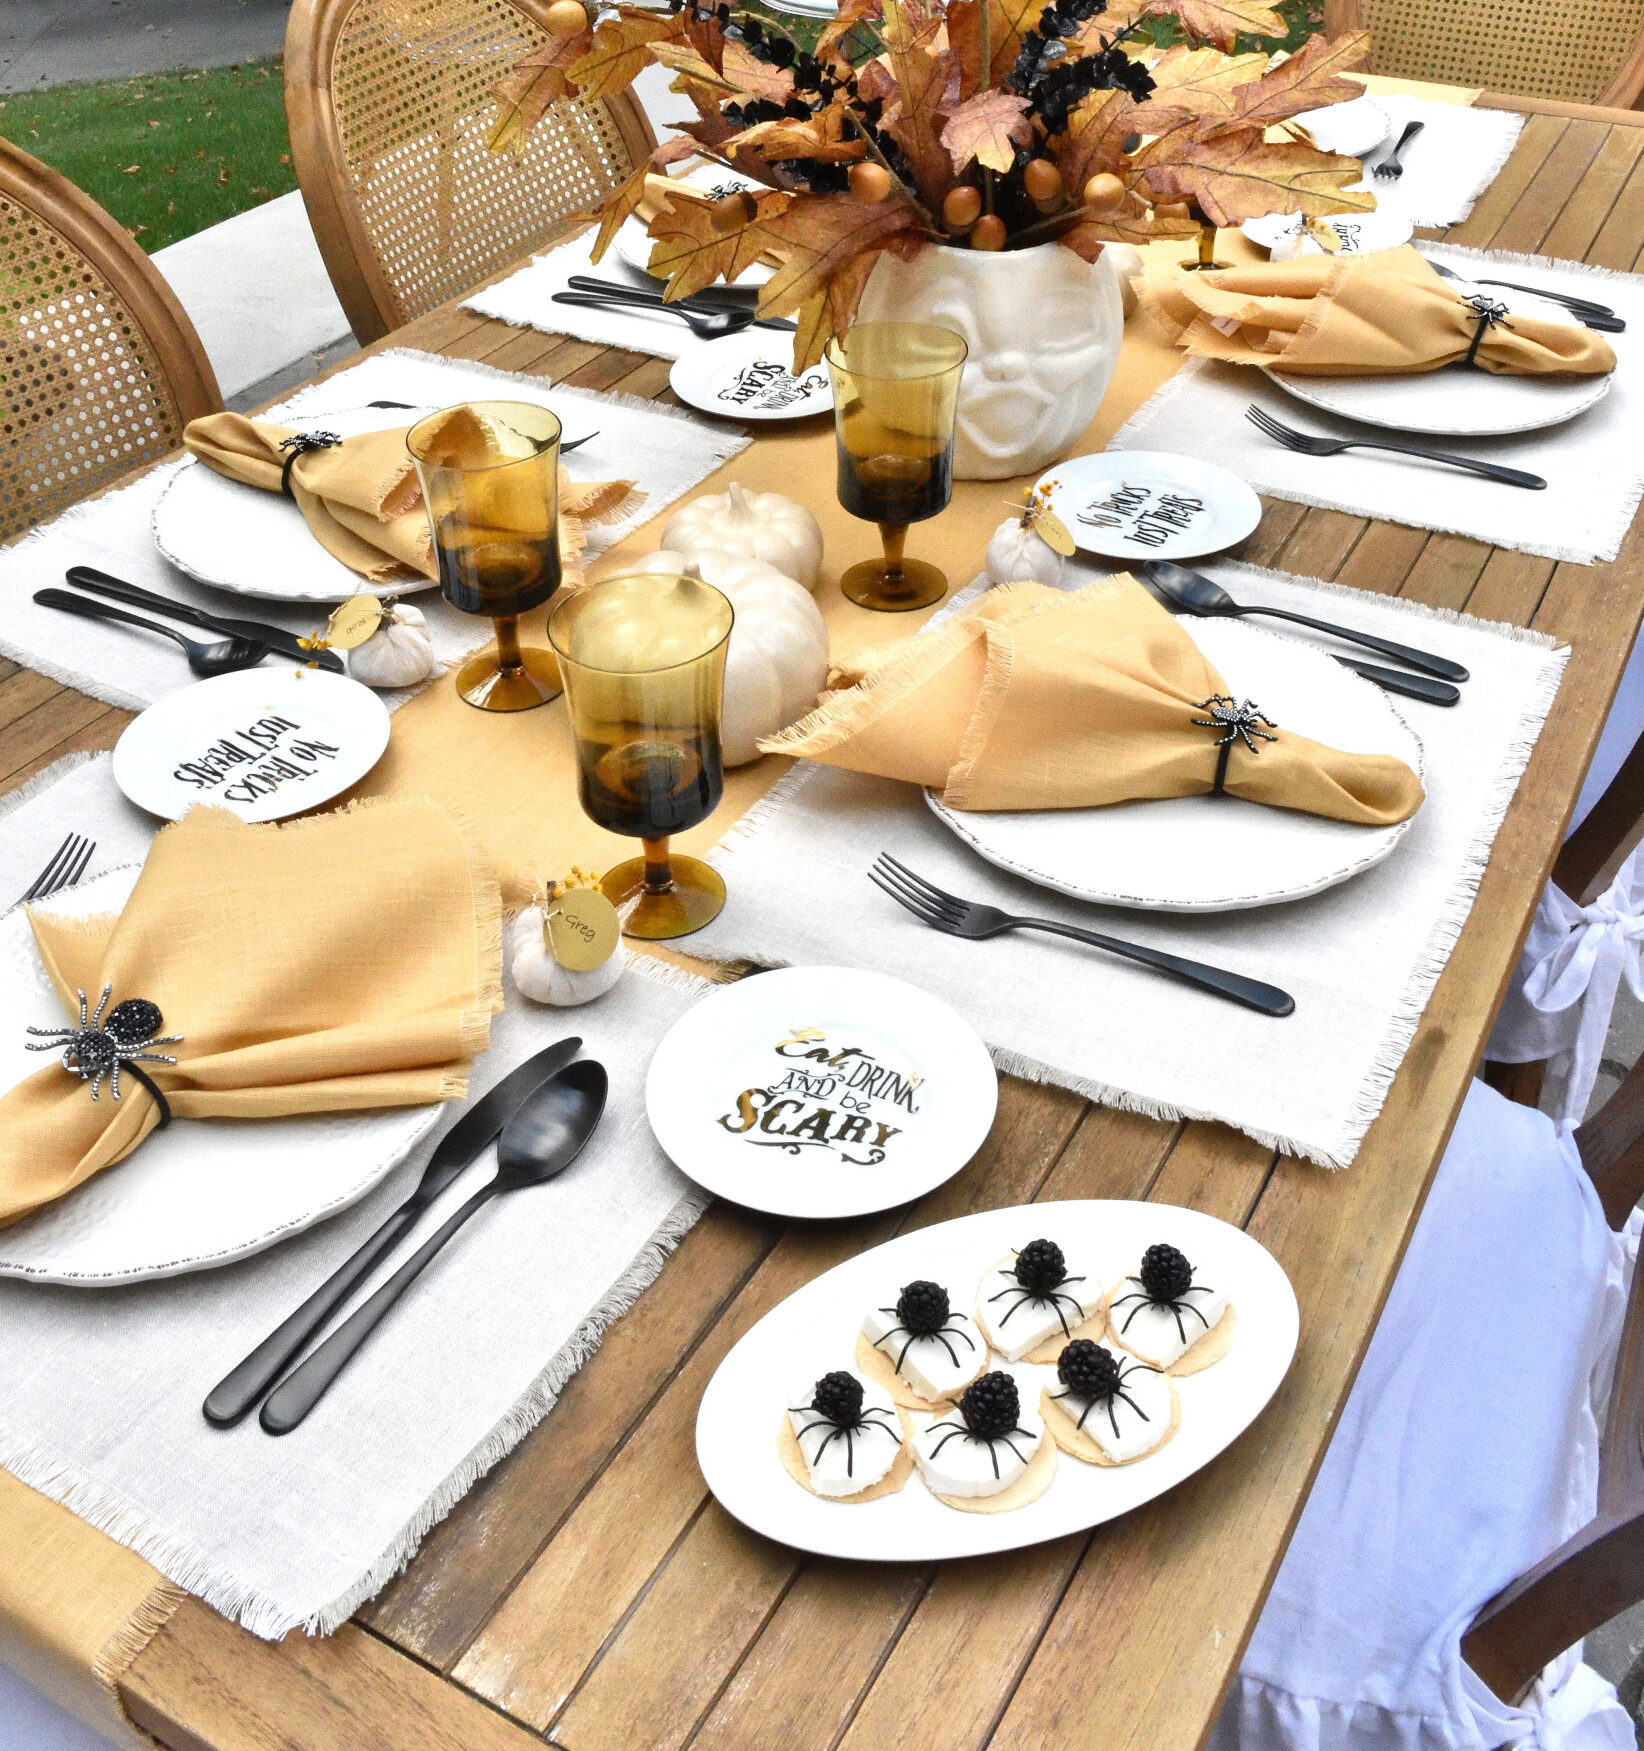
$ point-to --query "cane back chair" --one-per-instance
(1584, 51)
(389, 109)
(100, 369)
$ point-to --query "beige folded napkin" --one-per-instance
(1046, 699)
(1384, 314)
(361, 497)
(346, 961)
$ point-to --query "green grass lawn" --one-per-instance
(167, 153)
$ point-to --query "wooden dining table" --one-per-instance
(589, 1591)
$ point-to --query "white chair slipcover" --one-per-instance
(1467, 1451)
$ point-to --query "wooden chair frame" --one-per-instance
(363, 289)
(1623, 92)
(1600, 1571)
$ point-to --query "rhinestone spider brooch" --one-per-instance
(1040, 1271)
(987, 1413)
(837, 1401)
(1238, 720)
(99, 1048)
(922, 1310)
(1095, 1374)
(1166, 1280)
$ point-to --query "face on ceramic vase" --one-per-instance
(1036, 333)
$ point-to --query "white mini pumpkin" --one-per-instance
(778, 660)
(1018, 555)
(398, 654)
(758, 525)
(541, 978)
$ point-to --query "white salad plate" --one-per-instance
(1360, 233)
(1352, 129)
(240, 538)
(820, 1091)
(814, 1331)
(1215, 853)
(634, 243)
(264, 743)
(1148, 504)
(202, 1192)
(1457, 401)
(747, 377)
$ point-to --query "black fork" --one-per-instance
(68, 863)
(970, 919)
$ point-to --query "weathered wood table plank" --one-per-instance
(589, 1590)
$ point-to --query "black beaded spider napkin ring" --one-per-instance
(99, 1048)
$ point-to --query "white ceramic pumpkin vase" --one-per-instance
(1043, 327)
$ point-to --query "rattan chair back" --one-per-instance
(1581, 51)
(389, 108)
(100, 369)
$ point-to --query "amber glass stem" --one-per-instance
(659, 877)
(894, 538)
(1207, 243)
(508, 657)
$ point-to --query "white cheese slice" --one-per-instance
(1014, 1323)
(966, 1465)
(933, 1366)
(841, 1464)
(1134, 1420)
(1163, 1335)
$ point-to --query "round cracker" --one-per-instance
(1072, 1439)
(875, 1365)
(793, 1462)
(1052, 1347)
(1029, 1487)
(1205, 1349)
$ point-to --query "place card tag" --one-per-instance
(353, 622)
(1052, 531)
(580, 929)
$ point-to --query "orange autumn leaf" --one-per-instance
(987, 128)
(818, 237)
(1135, 222)
(1008, 22)
(852, 24)
(758, 78)
(688, 61)
(524, 94)
(691, 252)
(824, 138)
(926, 85)
(830, 311)
(1097, 129)
(1191, 82)
(1241, 176)
(1310, 79)
(621, 50)
(627, 199)
(1220, 21)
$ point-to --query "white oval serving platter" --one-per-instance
(1149, 504)
(814, 1331)
(264, 743)
(1215, 853)
(1351, 128)
(821, 1091)
(747, 377)
(202, 1192)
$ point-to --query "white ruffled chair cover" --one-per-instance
(1466, 1452)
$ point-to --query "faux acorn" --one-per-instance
(398, 654)
(538, 972)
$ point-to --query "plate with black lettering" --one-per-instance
(263, 743)
(1148, 504)
(746, 377)
(821, 1091)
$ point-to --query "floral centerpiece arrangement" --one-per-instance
(986, 124)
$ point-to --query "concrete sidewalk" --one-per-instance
(63, 42)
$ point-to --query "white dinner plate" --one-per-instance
(1148, 504)
(747, 377)
(1457, 401)
(820, 1091)
(634, 244)
(814, 1331)
(1360, 233)
(198, 1194)
(1215, 853)
(240, 538)
(264, 743)
(1351, 129)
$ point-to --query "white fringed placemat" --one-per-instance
(1593, 464)
(100, 1390)
(666, 451)
(1448, 165)
(1360, 959)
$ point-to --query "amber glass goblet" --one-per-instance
(643, 657)
(1205, 262)
(490, 478)
(895, 390)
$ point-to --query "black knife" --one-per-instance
(1426, 687)
(288, 644)
(705, 303)
(239, 1390)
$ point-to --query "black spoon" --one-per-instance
(542, 1139)
(704, 326)
(1196, 594)
(238, 1391)
(222, 658)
